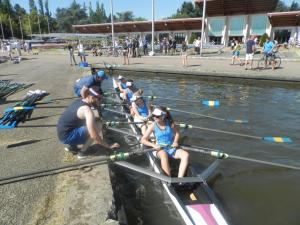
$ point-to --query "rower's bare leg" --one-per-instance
(164, 161)
(184, 160)
(144, 128)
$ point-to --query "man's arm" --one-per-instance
(93, 131)
(83, 91)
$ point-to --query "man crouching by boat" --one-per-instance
(77, 125)
(141, 112)
(167, 137)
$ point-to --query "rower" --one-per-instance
(141, 112)
(77, 125)
(87, 82)
(167, 137)
(131, 90)
(121, 84)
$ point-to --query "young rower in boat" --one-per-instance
(167, 137)
(121, 84)
(131, 90)
(140, 112)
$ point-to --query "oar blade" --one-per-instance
(211, 103)
(237, 121)
(278, 139)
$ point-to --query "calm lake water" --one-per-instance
(250, 193)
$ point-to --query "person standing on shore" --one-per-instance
(81, 52)
(184, 49)
(250, 49)
(71, 53)
(125, 53)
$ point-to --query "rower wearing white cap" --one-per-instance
(140, 111)
(167, 137)
(122, 83)
(131, 90)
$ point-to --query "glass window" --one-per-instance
(236, 26)
(216, 27)
(258, 24)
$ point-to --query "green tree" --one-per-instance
(281, 6)
(100, 14)
(41, 7)
(47, 12)
(125, 16)
(187, 10)
(19, 10)
(32, 6)
(294, 6)
(6, 7)
(66, 17)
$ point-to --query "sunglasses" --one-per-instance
(157, 116)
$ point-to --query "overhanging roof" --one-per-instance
(283, 19)
(142, 26)
(236, 7)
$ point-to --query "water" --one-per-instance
(250, 193)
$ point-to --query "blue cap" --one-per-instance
(101, 74)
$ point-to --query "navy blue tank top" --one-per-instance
(69, 120)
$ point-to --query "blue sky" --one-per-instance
(140, 8)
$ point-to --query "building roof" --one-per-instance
(237, 7)
(142, 26)
(283, 19)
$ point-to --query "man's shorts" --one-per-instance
(249, 56)
(78, 136)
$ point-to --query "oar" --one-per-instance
(220, 154)
(114, 123)
(214, 152)
(267, 138)
(36, 174)
(207, 116)
(206, 102)
(112, 104)
(115, 111)
(18, 108)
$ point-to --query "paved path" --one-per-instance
(69, 198)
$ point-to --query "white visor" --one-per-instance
(120, 77)
(134, 98)
(158, 112)
(129, 84)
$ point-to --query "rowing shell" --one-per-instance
(197, 206)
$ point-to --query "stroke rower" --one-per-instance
(167, 138)
(94, 81)
(140, 111)
(77, 125)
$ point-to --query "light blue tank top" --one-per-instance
(123, 85)
(165, 136)
(143, 111)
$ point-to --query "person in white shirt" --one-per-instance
(197, 45)
(8, 49)
(81, 52)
